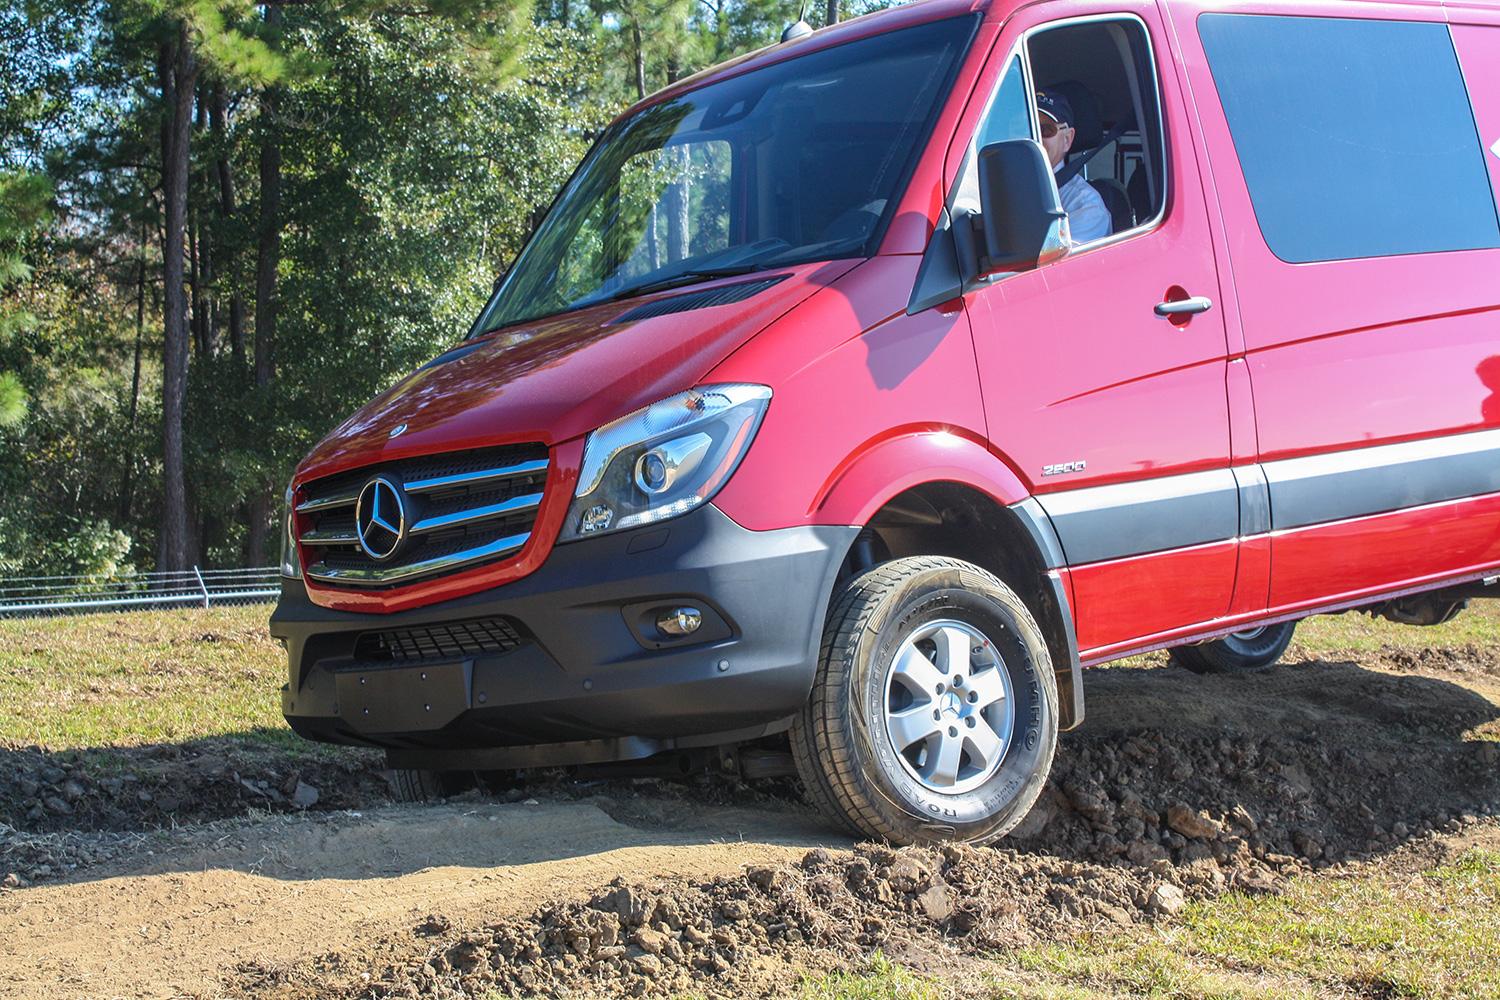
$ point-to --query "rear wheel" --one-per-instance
(412, 785)
(933, 714)
(1248, 652)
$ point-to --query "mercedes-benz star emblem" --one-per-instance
(380, 518)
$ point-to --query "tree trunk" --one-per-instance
(833, 12)
(640, 59)
(196, 281)
(268, 242)
(127, 477)
(268, 255)
(177, 69)
(218, 118)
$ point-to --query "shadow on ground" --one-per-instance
(1313, 762)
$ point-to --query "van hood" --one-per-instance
(562, 376)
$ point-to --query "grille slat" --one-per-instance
(459, 510)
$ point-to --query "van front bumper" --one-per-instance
(566, 665)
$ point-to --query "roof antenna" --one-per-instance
(801, 28)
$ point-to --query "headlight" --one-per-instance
(665, 459)
(289, 564)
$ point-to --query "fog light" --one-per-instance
(596, 518)
(680, 621)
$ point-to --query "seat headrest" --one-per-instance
(1088, 111)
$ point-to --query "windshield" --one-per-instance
(799, 161)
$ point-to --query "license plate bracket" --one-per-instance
(400, 699)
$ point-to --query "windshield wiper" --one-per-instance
(681, 278)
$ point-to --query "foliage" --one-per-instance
(414, 147)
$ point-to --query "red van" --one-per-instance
(859, 392)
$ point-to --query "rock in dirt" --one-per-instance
(1166, 899)
(936, 904)
(1192, 823)
(305, 796)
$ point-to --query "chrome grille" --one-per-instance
(458, 511)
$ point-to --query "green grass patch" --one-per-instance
(1323, 635)
(881, 979)
(1434, 934)
(124, 680)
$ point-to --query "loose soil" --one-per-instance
(1177, 787)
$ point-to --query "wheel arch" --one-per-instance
(1015, 541)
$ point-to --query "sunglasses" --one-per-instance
(1051, 128)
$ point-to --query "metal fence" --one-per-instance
(22, 596)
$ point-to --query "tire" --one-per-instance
(1250, 652)
(428, 786)
(871, 693)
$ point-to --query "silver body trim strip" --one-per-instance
(514, 505)
(472, 478)
(1099, 523)
(376, 575)
(1343, 484)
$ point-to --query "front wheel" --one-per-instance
(933, 715)
(1247, 652)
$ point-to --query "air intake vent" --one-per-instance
(721, 296)
(399, 522)
(446, 641)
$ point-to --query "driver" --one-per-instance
(1088, 219)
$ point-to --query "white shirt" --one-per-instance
(1088, 219)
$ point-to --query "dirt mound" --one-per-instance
(1469, 658)
(1180, 798)
(1311, 764)
(140, 788)
(738, 936)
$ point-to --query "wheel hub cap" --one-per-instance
(949, 710)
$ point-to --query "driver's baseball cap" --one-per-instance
(1054, 105)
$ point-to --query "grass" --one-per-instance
(1324, 635)
(881, 979)
(122, 680)
(1432, 934)
(1380, 934)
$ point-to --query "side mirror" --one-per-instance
(1022, 221)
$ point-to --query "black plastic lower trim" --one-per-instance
(582, 673)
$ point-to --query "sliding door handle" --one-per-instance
(1185, 307)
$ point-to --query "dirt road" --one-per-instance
(1177, 787)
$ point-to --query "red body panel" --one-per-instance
(1348, 354)
(1328, 563)
(1076, 366)
(1126, 599)
(853, 373)
(558, 378)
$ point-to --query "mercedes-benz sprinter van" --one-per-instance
(857, 393)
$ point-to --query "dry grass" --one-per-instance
(120, 680)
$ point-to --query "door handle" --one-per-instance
(1185, 307)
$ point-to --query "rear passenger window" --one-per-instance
(1355, 137)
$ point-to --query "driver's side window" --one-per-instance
(1087, 91)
